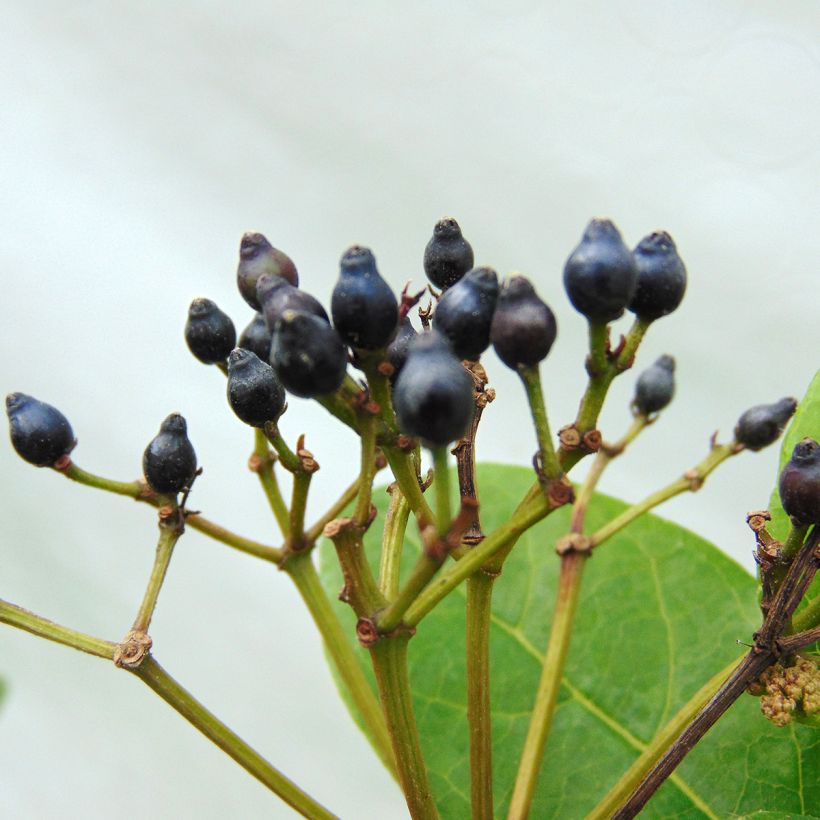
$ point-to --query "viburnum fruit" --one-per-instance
(448, 255)
(254, 391)
(800, 483)
(364, 308)
(256, 257)
(276, 295)
(209, 332)
(465, 312)
(661, 277)
(759, 426)
(433, 394)
(655, 386)
(257, 337)
(523, 328)
(169, 461)
(40, 433)
(600, 275)
(307, 354)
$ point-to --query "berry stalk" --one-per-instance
(395, 525)
(548, 459)
(261, 463)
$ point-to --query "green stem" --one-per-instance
(395, 525)
(139, 491)
(152, 674)
(531, 376)
(168, 536)
(691, 481)
(405, 473)
(389, 657)
(479, 714)
(290, 460)
(29, 622)
(520, 521)
(156, 678)
(296, 540)
(338, 646)
(572, 567)
(441, 484)
(659, 745)
(603, 372)
(267, 478)
(425, 568)
(333, 512)
(808, 617)
(368, 469)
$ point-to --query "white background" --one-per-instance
(139, 141)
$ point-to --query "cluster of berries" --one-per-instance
(292, 345)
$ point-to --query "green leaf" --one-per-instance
(806, 422)
(660, 613)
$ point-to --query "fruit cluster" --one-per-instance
(293, 346)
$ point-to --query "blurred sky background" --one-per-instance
(139, 141)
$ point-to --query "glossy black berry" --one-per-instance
(254, 391)
(276, 295)
(600, 275)
(397, 349)
(364, 308)
(523, 328)
(169, 461)
(465, 312)
(307, 354)
(759, 426)
(433, 394)
(39, 432)
(448, 255)
(258, 256)
(661, 277)
(655, 386)
(800, 483)
(209, 332)
(257, 338)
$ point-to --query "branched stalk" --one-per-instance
(572, 567)
(395, 525)
(368, 469)
(155, 677)
(302, 571)
(170, 529)
(338, 507)
(389, 657)
(531, 376)
(262, 463)
(140, 491)
(479, 712)
(296, 532)
(290, 460)
(768, 645)
(441, 485)
(29, 622)
(691, 481)
(659, 745)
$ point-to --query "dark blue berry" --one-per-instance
(433, 394)
(661, 277)
(39, 432)
(364, 308)
(254, 391)
(465, 312)
(397, 349)
(276, 295)
(169, 461)
(800, 483)
(257, 337)
(258, 256)
(308, 355)
(448, 255)
(655, 386)
(600, 275)
(759, 426)
(524, 327)
(209, 332)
